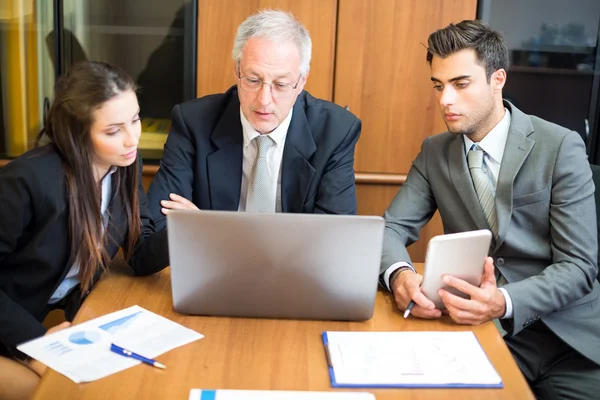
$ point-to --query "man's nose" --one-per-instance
(448, 96)
(264, 95)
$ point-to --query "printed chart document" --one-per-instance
(408, 359)
(82, 352)
(199, 394)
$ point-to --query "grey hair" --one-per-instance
(276, 26)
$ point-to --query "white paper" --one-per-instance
(196, 394)
(409, 359)
(82, 352)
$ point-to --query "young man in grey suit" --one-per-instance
(529, 182)
(265, 145)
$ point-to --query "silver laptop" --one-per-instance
(300, 266)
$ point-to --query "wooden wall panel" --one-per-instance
(374, 199)
(382, 75)
(148, 174)
(217, 24)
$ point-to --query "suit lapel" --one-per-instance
(224, 166)
(296, 171)
(518, 146)
(116, 229)
(117, 223)
(461, 178)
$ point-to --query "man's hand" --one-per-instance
(486, 303)
(177, 202)
(406, 287)
(37, 366)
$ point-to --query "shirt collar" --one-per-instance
(494, 142)
(278, 135)
(106, 187)
(111, 170)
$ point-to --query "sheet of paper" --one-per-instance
(82, 352)
(199, 394)
(372, 359)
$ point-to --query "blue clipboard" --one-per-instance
(335, 384)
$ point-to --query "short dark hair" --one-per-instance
(488, 44)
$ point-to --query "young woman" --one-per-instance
(67, 207)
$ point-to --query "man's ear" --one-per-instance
(303, 81)
(498, 80)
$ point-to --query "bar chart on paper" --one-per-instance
(119, 324)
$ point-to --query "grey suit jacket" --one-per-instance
(547, 239)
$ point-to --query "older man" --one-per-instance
(265, 145)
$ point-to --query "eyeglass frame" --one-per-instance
(262, 83)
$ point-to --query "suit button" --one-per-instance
(500, 261)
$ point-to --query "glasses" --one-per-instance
(278, 89)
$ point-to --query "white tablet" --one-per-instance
(458, 254)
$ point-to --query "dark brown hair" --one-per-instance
(488, 44)
(78, 93)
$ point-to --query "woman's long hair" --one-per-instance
(78, 93)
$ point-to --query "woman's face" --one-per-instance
(115, 133)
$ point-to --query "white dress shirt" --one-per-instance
(493, 145)
(274, 156)
(71, 280)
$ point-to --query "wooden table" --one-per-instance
(246, 353)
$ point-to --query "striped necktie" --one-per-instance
(481, 181)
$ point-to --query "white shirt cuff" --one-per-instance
(509, 305)
(388, 272)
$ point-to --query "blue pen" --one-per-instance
(119, 350)
(410, 307)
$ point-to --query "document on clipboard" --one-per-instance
(408, 359)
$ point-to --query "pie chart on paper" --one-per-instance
(84, 337)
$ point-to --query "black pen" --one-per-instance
(410, 307)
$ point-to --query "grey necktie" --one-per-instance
(260, 197)
(481, 181)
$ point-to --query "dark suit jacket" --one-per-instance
(547, 241)
(203, 157)
(35, 250)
